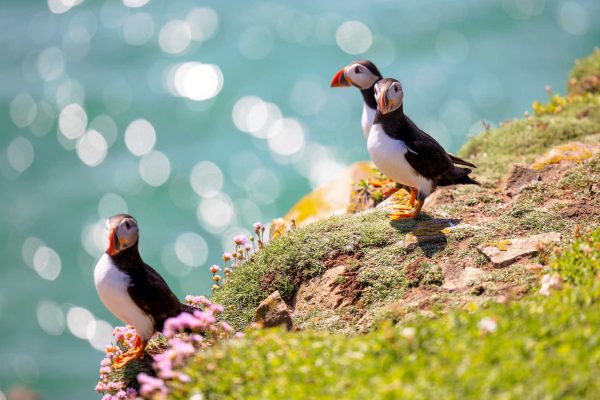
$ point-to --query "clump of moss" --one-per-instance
(300, 255)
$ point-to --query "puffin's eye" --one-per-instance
(395, 89)
(127, 224)
(357, 70)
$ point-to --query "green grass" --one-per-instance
(524, 140)
(289, 260)
(543, 348)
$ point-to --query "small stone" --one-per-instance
(520, 176)
(456, 277)
(518, 248)
(272, 312)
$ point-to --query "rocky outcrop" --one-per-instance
(506, 252)
(272, 312)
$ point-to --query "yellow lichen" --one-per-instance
(501, 245)
(577, 152)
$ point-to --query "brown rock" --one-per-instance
(336, 288)
(272, 312)
(507, 252)
(520, 176)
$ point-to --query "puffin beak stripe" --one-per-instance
(340, 80)
(113, 243)
(384, 102)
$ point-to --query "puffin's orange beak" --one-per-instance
(113, 243)
(340, 80)
(383, 102)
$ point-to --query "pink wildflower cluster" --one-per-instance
(244, 248)
(124, 338)
(186, 335)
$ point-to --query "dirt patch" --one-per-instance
(338, 287)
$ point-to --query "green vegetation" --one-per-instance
(585, 76)
(522, 141)
(540, 347)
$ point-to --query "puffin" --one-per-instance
(363, 74)
(407, 154)
(131, 289)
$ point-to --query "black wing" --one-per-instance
(152, 294)
(453, 158)
(428, 158)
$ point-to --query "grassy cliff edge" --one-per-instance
(420, 309)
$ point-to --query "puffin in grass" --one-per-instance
(407, 154)
(131, 289)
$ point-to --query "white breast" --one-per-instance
(111, 284)
(368, 115)
(389, 156)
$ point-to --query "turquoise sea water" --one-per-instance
(201, 118)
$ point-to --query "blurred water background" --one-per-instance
(200, 118)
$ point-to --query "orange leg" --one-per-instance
(413, 196)
(135, 352)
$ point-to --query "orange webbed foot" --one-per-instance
(137, 351)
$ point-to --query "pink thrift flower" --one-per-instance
(227, 256)
(240, 240)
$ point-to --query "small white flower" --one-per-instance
(487, 325)
(550, 282)
(409, 333)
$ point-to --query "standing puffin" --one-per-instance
(132, 290)
(406, 154)
(362, 74)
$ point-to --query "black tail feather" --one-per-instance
(456, 177)
(460, 161)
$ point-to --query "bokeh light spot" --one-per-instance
(215, 213)
(175, 36)
(81, 322)
(573, 17)
(46, 263)
(195, 81)
(191, 249)
(353, 37)
(50, 317)
(23, 110)
(92, 148)
(140, 137)
(30, 246)
(135, 3)
(206, 179)
(72, 121)
(203, 23)
(20, 154)
(138, 29)
(286, 137)
(111, 204)
(51, 64)
(155, 168)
